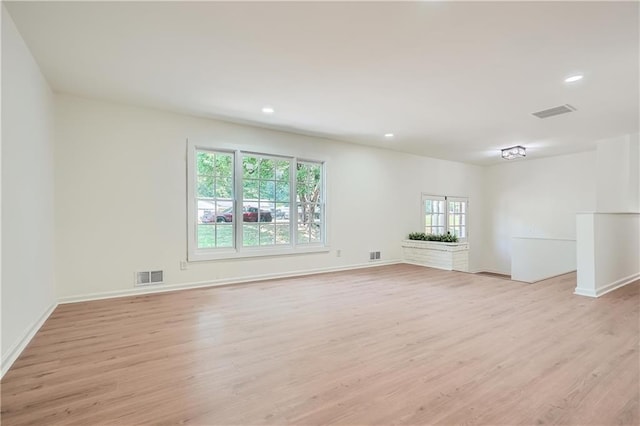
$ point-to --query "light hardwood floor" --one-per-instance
(396, 344)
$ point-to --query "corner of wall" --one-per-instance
(28, 286)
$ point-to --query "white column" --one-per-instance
(608, 240)
(585, 254)
(608, 251)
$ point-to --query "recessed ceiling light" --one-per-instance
(268, 109)
(573, 78)
(389, 135)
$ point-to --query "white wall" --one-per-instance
(618, 175)
(536, 259)
(608, 252)
(121, 197)
(2, 364)
(28, 291)
(634, 173)
(535, 198)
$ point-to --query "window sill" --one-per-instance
(255, 252)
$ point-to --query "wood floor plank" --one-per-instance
(397, 344)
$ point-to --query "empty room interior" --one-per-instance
(312, 213)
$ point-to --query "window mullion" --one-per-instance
(293, 205)
(446, 215)
(322, 200)
(237, 201)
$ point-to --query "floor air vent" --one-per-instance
(562, 109)
(149, 277)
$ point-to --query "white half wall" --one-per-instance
(535, 198)
(28, 290)
(608, 252)
(536, 259)
(121, 198)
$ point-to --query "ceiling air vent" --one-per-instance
(562, 109)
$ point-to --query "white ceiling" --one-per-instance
(450, 80)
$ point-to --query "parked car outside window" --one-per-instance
(249, 214)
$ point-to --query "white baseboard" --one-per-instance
(408, 262)
(585, 292)
(553, 276)
(16, 349)
(215, 283)
(609, 287)
(492, 271)
(617, 284)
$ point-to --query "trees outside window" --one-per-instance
(241, 201)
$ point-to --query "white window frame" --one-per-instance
(194, 253)
(426, 197)
(446, 199)
(239, 202)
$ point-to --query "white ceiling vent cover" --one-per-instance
(149, 277)
(562, 109)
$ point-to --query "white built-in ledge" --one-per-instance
(449, 256)
(535, 259)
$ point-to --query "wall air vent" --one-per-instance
(562, 109)
(149, 277)
(142, 278)
(374, 255)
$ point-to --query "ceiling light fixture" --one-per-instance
(268, 109)
(389, 135)
(514, 152)
(573, 78)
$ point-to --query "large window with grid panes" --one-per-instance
(442, 214)
(251, 204)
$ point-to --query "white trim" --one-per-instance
(603, 213)
(217, 283)
(408, 262)
(585, 292)
(548, 278)
(493, 271)
(221, 145)
(191, 192)
(544, 238)
(259, 251)
(609, 287)
(16, 349)
(435, 245)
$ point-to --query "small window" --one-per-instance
(309, 202)
(434, 215)
(442, 214)
(457, 217)
(265, 193)
(215, 198)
